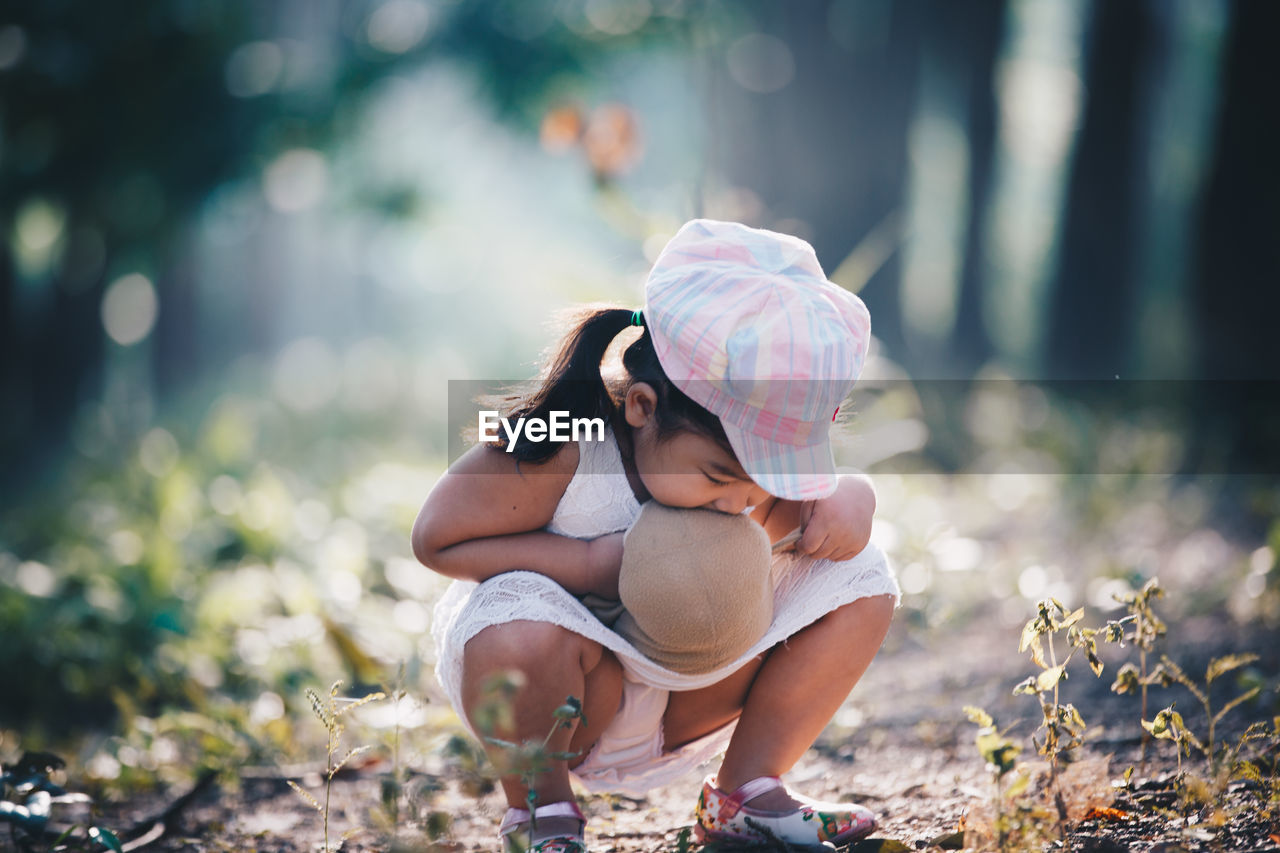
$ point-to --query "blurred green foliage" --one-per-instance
(241, 550)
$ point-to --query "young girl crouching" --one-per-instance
(745, 355)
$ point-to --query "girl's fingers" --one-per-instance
(812, 542)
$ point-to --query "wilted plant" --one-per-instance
(1001, 755)
(1168, 723)
(330, 711)
(1144, 629)
(1262, 768)
(1061, 725)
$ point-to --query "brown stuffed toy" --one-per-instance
(694, 587)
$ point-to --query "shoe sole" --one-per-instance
(703, 836)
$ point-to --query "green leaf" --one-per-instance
(1182, 678)
(1160, 676)
(999, 752)
(1167, 725)
(106, 838)
(1126, 680)
(979, 716)
(1050, 677)
(505, 744)
(66, 833)
(1095, 663)
(1018, 785)
(1224, 664)
(1026, 686)
(1030, 633)
(1243, 697)
(1246, 770)
(1071, 718)
(948, 841)
(1037, 653)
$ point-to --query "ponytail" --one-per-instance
(572, 381)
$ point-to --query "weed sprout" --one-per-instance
(330, 711)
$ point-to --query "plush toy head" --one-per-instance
(695, 587)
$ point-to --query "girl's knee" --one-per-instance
(872, 614)
(529, 647)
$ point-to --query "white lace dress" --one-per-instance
(599, 501)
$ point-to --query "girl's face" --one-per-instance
(686, 469)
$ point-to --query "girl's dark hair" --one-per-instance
(572, 383)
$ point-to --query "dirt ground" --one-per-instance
(901, 746)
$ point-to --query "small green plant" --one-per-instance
(330, 711)
(392, 783)
(1001, 755)
(532, 758)
(1261, 769)
(1144, 629)
(1061, 726)
(1168, 723)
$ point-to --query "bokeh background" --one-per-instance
(245, 246)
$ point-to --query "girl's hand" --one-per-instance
(604, 561)
(838, 527)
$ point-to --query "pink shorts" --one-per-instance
(629, 756)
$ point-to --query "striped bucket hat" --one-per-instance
(746, 324)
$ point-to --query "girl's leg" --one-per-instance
(799, 690)
(691, 714)
(787, 702)
(555, 663)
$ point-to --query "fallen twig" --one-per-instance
(153, 829)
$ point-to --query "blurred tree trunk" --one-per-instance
(11, 396)
(1091, 313)
(833, 153)
(1236, 288)
(981, 29)
(178, 328)
(64, 362)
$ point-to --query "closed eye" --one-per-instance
(714, 480)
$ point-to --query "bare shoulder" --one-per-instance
(490, 461)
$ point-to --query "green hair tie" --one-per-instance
(637, 318)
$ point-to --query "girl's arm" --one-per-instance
(836, 527)
(485, 517)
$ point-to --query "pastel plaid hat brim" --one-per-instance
(746, 324)
(796, 473)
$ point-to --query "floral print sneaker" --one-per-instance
(515, 831)
(815, 826)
